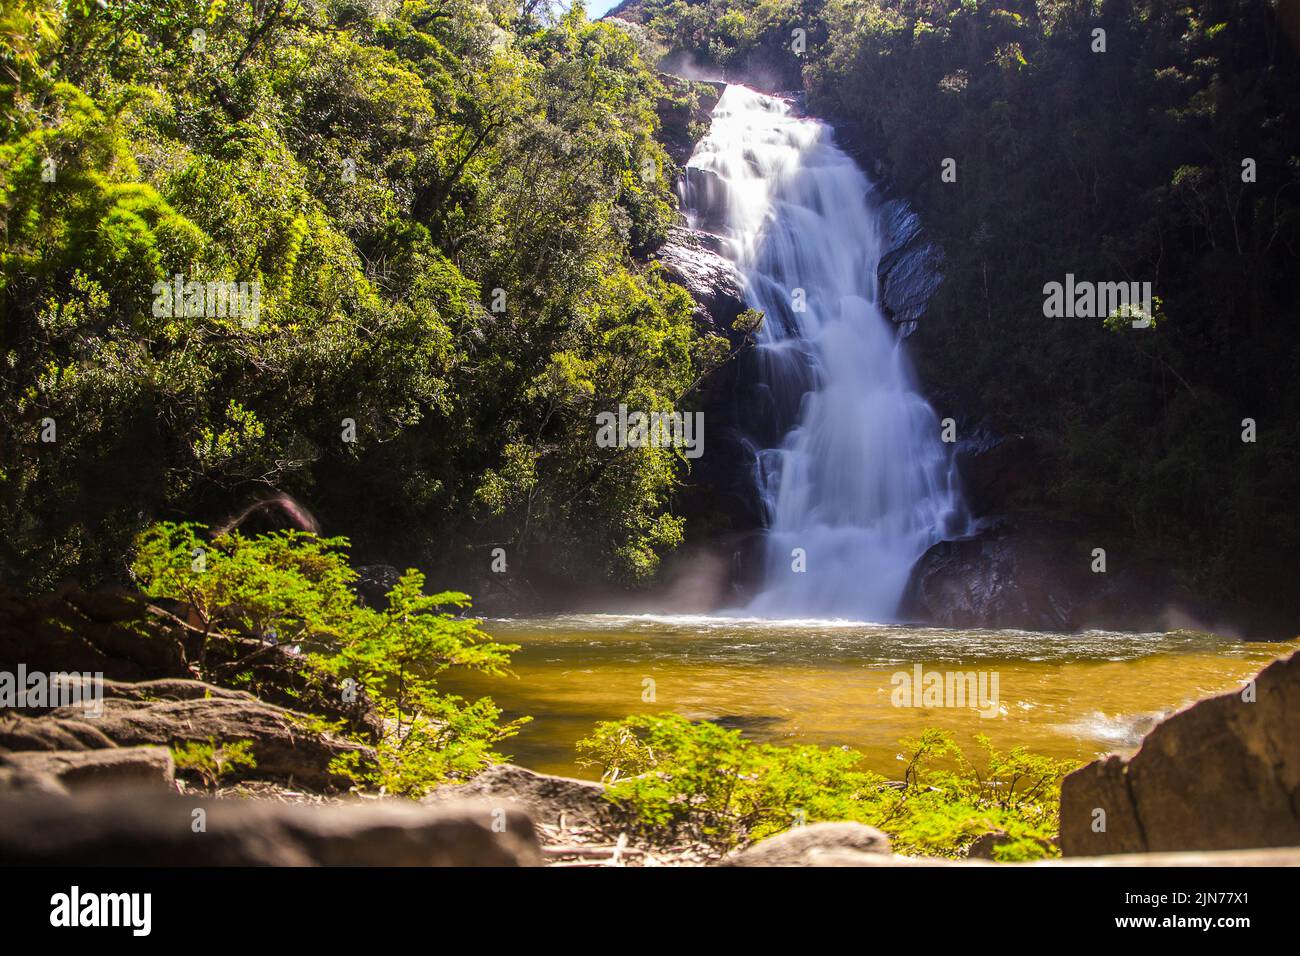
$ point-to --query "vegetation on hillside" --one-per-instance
(427, 215)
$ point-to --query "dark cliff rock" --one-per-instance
(693, 260)
(1030, 572)
(999, 472)
(909, 271)
(1222, 774)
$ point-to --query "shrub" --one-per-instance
(211, 761)
(700, 781)
(292, 589)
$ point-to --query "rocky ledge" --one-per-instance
(694, 260)
(1221, 774)
(152, 829)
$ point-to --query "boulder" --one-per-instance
(982, 847)
(18, 779)
(285, 745)
(984, 844)
(556, 801)
(817, 844)
(85, 769)
(1035, 573)
(1003, 576)
(1221, 774)
(149, 829)
(693, 260)
(92, 632)
(373, 582)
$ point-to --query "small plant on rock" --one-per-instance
(211, 761)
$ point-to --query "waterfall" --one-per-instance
(858, 484)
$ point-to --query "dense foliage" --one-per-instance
(440, 204)
(436, 207)
(292, 592)
(1126, 165)
(680, 778)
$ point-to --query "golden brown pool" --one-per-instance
(833, 683)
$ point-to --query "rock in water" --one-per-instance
(1222, 774)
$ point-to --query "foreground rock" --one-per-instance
(64, 771)
(561, 802)
(150, 830)
(1289, 856)
(286, 745)
(1222, 774)
(817, 844)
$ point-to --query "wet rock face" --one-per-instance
(692, 259)
(1222, 774)
(909, 271)
(1034, 573)
(998, 471)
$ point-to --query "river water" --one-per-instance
(830, 682)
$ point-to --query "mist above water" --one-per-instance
(861, 484)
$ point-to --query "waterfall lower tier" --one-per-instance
(861, 484)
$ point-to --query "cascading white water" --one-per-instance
(862, 482)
